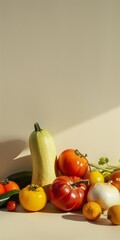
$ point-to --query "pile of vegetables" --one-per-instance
(98, 189)
(9, 192)
(68, 181)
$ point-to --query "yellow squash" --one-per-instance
(43, 153)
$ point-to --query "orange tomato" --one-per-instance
(115, 179)
(10, 185)
(2, 189)
(115, 176)
(72, 163)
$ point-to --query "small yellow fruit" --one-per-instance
(95, 177)
(32, 198)
(113, 214)
(91, 211)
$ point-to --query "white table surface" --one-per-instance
(52, 224)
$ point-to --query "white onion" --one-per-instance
(105, 194)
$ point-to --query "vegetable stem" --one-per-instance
(33, 187)
(37, 127)
(108, 168)
(80, 154)
(4, 181)
(86, 181)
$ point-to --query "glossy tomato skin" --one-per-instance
(33, 198)
(71, 163)
(115, 179)
(2, 189)
(95, 177)
(11, 206)
(10, 185)
(65, 196)
(115, 176)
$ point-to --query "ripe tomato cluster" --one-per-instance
(7, 186)
(69, 190)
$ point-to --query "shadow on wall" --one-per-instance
(9, 150)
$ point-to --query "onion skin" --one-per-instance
(105, 194)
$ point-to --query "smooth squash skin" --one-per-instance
(43, 153)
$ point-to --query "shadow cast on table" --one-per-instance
(49, 208)
(80, 218)
(74, 217)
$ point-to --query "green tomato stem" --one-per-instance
(108, 168)
(75, 184)
(33, 187)
(4, 181)
(80, 154)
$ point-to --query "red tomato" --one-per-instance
(11, 206)
(65, 195)
(72, 163)
(2, 189)
(115, 179)
(115, 176)
(10, 185)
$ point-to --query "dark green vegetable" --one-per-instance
(7, 196)
(22, 178)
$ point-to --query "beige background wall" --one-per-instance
(59, 65)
